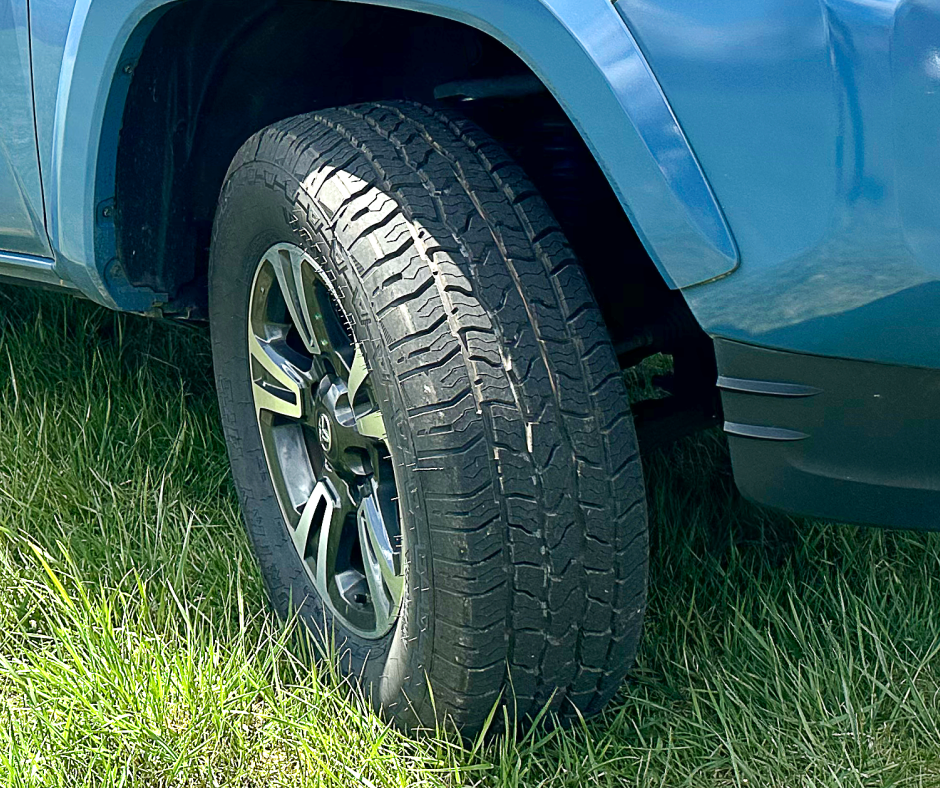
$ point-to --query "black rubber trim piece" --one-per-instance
(843, 440)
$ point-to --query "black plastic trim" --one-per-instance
(838, 439)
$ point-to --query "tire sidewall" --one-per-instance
(262, 205)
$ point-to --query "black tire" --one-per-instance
(515, 458)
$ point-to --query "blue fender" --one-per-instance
(80, 86)
(581, 49)
(817, 124)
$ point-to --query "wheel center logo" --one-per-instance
(325, 432)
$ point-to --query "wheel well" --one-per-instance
(213, 72)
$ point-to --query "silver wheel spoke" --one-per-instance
(381, 604)
(371, 424)
(317, 513)
(358, 371)
(326, 546)
(380, 561)
(288, 267)
(280, 391)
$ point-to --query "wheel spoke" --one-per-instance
(280, 391)
(331, 527)
(358, 371)
(380, 560)
(370, 424)
(381, 604)
(297, 292)
(317, 513)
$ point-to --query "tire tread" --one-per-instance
(521, 422)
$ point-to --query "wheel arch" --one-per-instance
(580, 50)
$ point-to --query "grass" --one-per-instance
(136, 648)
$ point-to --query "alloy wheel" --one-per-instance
(325, 440)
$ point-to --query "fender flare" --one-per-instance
(581, 49)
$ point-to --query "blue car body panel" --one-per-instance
(21, 211)
(82, 46)
(817, 124)
(778, 158)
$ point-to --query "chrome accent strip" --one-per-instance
(32, 269)
(763, 433)
(771, 387)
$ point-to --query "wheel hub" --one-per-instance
(324, 440)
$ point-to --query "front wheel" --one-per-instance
(427, 425)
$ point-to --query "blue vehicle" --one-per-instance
(428, 235)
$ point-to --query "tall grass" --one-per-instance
(136, 648)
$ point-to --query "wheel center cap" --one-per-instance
(325, 432)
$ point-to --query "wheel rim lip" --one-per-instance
(319, 466)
